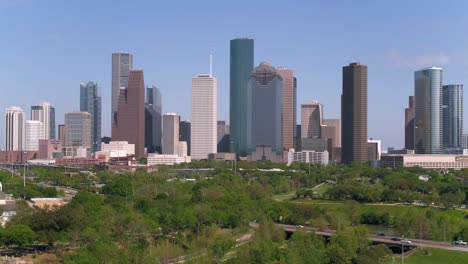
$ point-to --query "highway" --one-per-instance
(376, 238)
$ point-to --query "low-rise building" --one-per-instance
(118, 149)
(221, 156)
(264, 153)
(161, 159)
(427, 161)
(308, 156)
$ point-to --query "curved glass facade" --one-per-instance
(428, 111)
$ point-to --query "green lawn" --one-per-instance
(437, 256)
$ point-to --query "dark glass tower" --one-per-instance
(91, 102)
(452, 109)
(241, 66)
(185, 128)
(354, 113)
(153, 119)
(409, 124)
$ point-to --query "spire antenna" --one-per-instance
(211, 63)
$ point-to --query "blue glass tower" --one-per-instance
(91, 102)
(452, 97)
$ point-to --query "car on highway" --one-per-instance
(406, 241)
(300, 226)
(460, 242)
(396, 239)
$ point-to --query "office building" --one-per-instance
(331, 128)
(33, 133)
(374, 149)
(241, 67)
(465, 140)
(181, 149)
(265, 109)
(426, 161)
(122, 63)
(311, 120)
(50, 148)
(130, 125)
(354, 113)
(45, 113)
(153, 119)
(170, 138)
(15, 129)
(428, 111)
(223, 137)
(118, 149)
(61, 133)
(166, 159)
(409, 124)
(288, 107)
(204, 116)
(77, 133)
(185, 128)
(91, 102)
(452, 111)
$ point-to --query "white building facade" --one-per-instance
(204, 116)
(34, 132)
(308, 156)
(15, 124)
(45, 113)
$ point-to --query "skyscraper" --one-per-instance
(452, 99)
(91, 102)
(15, 123)
(336, 135)
(241, 66)
(428, 111)
(354, 113)
(61, 133)
(409, 124)
(185, 128)
(78, 130)
(265, 109)
(311, 120)
(204, 116)
(153, 119)
(288, 107)
(122, 63)
(34, 132)
(130, 125)
(223, 138)
(45, 113)
(170, 138)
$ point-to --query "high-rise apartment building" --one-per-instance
(289, 90)
(311, 120)
(265, 109)
(91, 102)
(34, 132)
(452, 100)
(409, 124)
(130, 125)
(122, 63)
(153, 119)
(45, 113)
(185, 128)
(354, 113)
(241, 66)
(204, 116)
(78, 130)
(15, 123)
(170, 138)
(428, 111)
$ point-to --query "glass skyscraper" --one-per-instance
(91, 102)
(452, 110)
(241, 66)
(153, 119)
(428, 111)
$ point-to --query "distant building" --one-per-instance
(170, 138)
(48, 147)
(45, 113)
(61, 133)
(122, 63)
(91, 102)
(288, 107)
(241, 67)
(409, 124)
(34, 132)
(181, 149)
(374, 149)
(223, 137)
(77, 131)
(354, 114)
(265, 153)
(465, 140)
(204, 116)
(308, 156)
(15, 129)
(428, 111)
(221, 157)
(153, 119)
(130, 115)
(162, 159)
(452, 111)
(11, 156)
(426, 161)
(185, 128)
(118, 149)
(311, 120)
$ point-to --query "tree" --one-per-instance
(220, 247)
(19, 235)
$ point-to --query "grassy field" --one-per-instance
(436, 256)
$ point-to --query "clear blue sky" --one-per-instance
(49, 46)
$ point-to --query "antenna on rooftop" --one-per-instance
(211, 63)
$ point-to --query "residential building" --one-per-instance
(91, 102)
(33, 133)
(428, 111)
(452, 111)
(308, 156)
(130, 125)
(15, 129)
(204, 116)
(265, 109)
(241, 67)
(45, 113)
(122, 63)
(170, 139)
(409, 124)
(354, 113)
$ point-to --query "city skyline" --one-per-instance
(391, 64)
